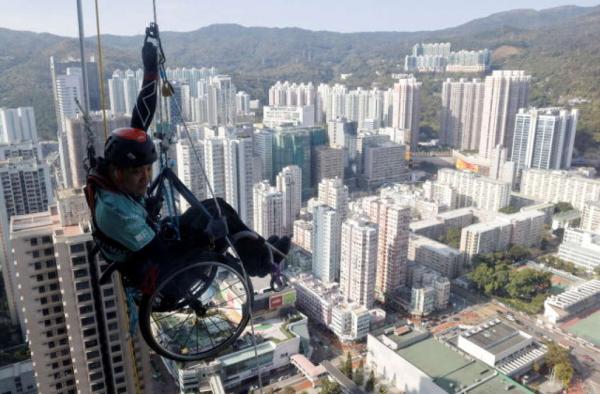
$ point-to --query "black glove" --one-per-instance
(150, 57)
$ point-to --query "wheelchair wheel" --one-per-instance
(207, 317)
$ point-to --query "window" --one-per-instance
(82, 285)
(35, 254)
(46, 239)
(116, 348)
(98, 386)
(89, 332)
(84, 297)
(41, 289)
(85, 309)
(37, 266)
(90, 343)
(63, 341)
(117, 359)
(52, 275)
(50, 263)
(55, 297)
(113, 326)
(78, 260)
(113, 337)
(53, 286)
(39, 277)
(45, 311)
(80, 273)
(93, 354)
(58, 309)
(43, 300)
(119, 380)
(77, 248)
(48, 251)
(108, 292)
(96, 376)
(109, 303)
(111, 315)
(119, 369)
(33, 241)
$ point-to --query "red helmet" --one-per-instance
(129, 147)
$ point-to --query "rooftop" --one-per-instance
(575, 294)
(494, 336)
(449, 369)
(15, 370)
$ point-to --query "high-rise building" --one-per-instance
(358, 261)
(289, 183)
(263, 150)
(326, 243)
(25, 189)
(302, 234)
(590, 218)
(462, 104)
(505, 92)
(487, 237)
(476, 190)
(17, 125)
(242, 103)
(407, 107)
(435, 255)
(293, 146)
(383, 163)
(239, 175)
(289, 116)
(116, 92)
(342, 135)
(559, 186)
(327, 163)
(333, 193)
(392, 247)
(77, 330)
(214, 164)
(189, 169)
(544, 138)
(268, 210)
(58, 68)
(77, 140)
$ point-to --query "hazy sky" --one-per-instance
(128, 17)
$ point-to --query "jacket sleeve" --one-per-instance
(145, 106)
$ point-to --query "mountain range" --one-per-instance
(559, 47)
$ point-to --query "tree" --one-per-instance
(383, 390)
(562, 207)
(537, 366)
(452, 238)
(597, 271)
(359, 375)
(509, 209)
(370, 385)
(329, 387)
(289, 390)
(518, 252)
(564, 372)
(347, 368)
(524, 284)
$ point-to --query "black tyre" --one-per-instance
(211, 311)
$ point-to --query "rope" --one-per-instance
(101, 72)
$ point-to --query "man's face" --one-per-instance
(134, 180)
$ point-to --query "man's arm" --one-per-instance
(145, 106)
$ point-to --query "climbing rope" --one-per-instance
(101, 72)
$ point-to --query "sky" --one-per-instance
(129, 17)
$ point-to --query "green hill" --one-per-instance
(560, 47)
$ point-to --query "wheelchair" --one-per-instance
(197, 309)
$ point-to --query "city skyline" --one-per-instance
(133, 16)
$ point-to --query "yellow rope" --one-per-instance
(101, 72)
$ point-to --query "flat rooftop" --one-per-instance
(450, 370)
(495, 337)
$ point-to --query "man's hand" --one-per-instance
(150, 57)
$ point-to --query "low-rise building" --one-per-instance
(414, 362)
(499, 345)
(575, 300)
(487, 237)
(581, 248)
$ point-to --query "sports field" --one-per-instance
(587, 328)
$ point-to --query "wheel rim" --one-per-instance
(208, 316)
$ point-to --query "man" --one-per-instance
(125, 220)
